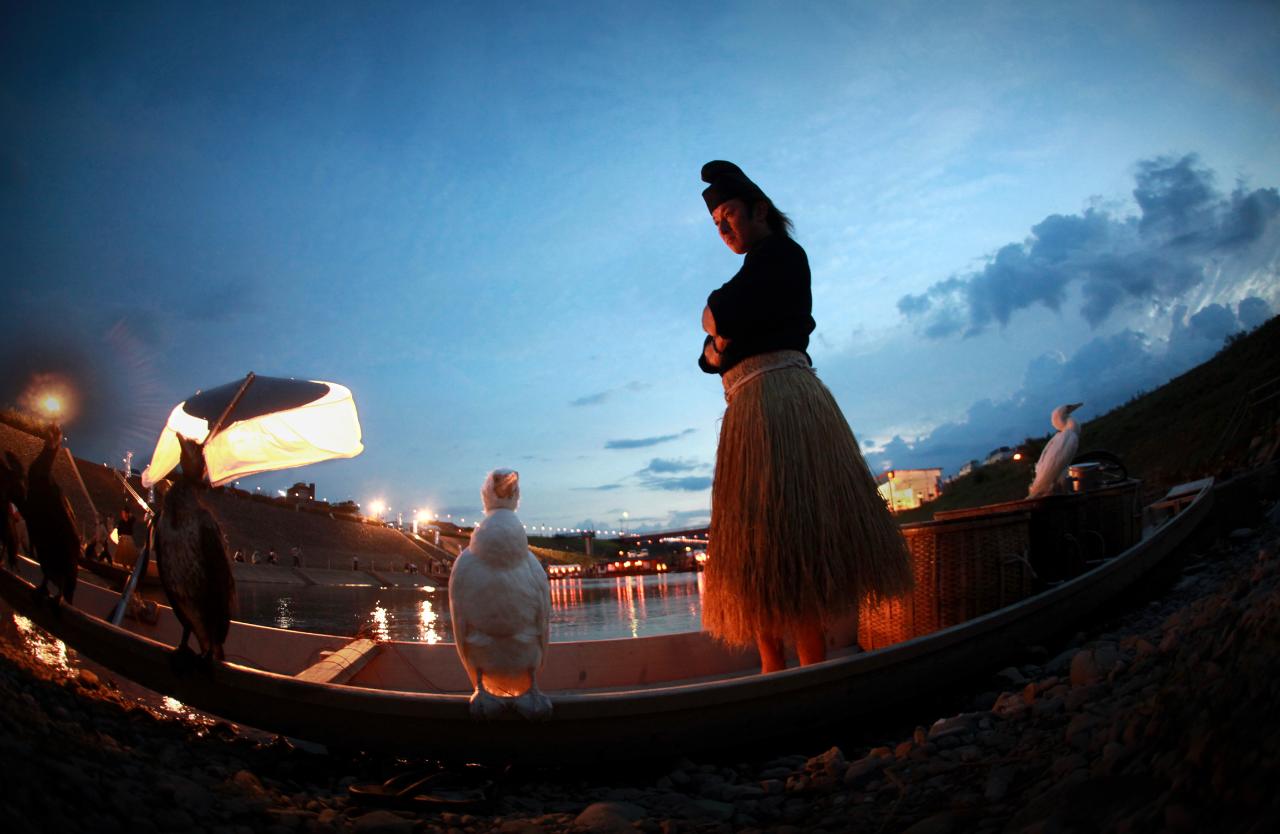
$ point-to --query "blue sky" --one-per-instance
(486, 222)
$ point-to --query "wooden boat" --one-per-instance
(118, 575)
(613, 699)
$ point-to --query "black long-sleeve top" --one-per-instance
(767, 306)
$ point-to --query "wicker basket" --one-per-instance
(1071, 532)
(963, 568)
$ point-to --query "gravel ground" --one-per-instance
(1164, 719)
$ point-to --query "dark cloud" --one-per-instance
(1253, 311)
(591, 399)
(1185, 228)
(602, 396)
(672, 465)
(642, 442)
(660, 475)
(1104, 373)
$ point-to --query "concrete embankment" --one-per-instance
(281, 575)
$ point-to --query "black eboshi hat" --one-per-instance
(727, 182)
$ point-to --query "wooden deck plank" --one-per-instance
(341, 665)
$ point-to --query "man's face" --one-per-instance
(737, 228)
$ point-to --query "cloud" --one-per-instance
(1104, 373)
(688, 483)
(642, 442)
(678, 519)
(602, 396)
(1253, 311)
(672, 465)
(590, 399)
(1185, 230)
(660, 475)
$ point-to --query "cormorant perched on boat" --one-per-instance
(51, 523)
(1058, 453)
(500, 601)
(192, 557)
(13, 493)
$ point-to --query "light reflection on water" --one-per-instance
(284, 613)
(581, 609)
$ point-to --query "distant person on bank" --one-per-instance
(126, 550)
(799, 535)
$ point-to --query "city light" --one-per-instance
(377, 506)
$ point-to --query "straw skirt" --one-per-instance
(799, 535)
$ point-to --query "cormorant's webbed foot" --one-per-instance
(532, 704)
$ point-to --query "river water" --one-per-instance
(581, 609)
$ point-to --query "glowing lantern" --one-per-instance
(266, 424)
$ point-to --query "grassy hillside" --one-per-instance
(1175, 433)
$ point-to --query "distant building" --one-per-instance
(301, 492)
(997, 455)
(967, 468)
(906, 489)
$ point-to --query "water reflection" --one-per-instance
(380, 619)
(581, 609)
(284, 613)
(427, 618)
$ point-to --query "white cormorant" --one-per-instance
(500, 602)
(1051, 468)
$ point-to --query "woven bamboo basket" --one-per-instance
(1071, 532)
(963, 568)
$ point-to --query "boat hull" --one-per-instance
(664, 717)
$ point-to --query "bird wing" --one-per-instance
(458, 579)
(220, 595)
(1054, 460)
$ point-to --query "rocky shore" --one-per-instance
(1166, 718)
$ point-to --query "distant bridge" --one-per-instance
(687, 536)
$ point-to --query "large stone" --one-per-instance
(1090, 666)
(861, 771)
(249, 782)
(953, 726)
(609, 817)
(383, 822)
(1011, 677)
(1010, 705)
(831, 762)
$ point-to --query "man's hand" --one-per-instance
(710, 353)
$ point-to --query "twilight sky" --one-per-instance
(486, 222)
